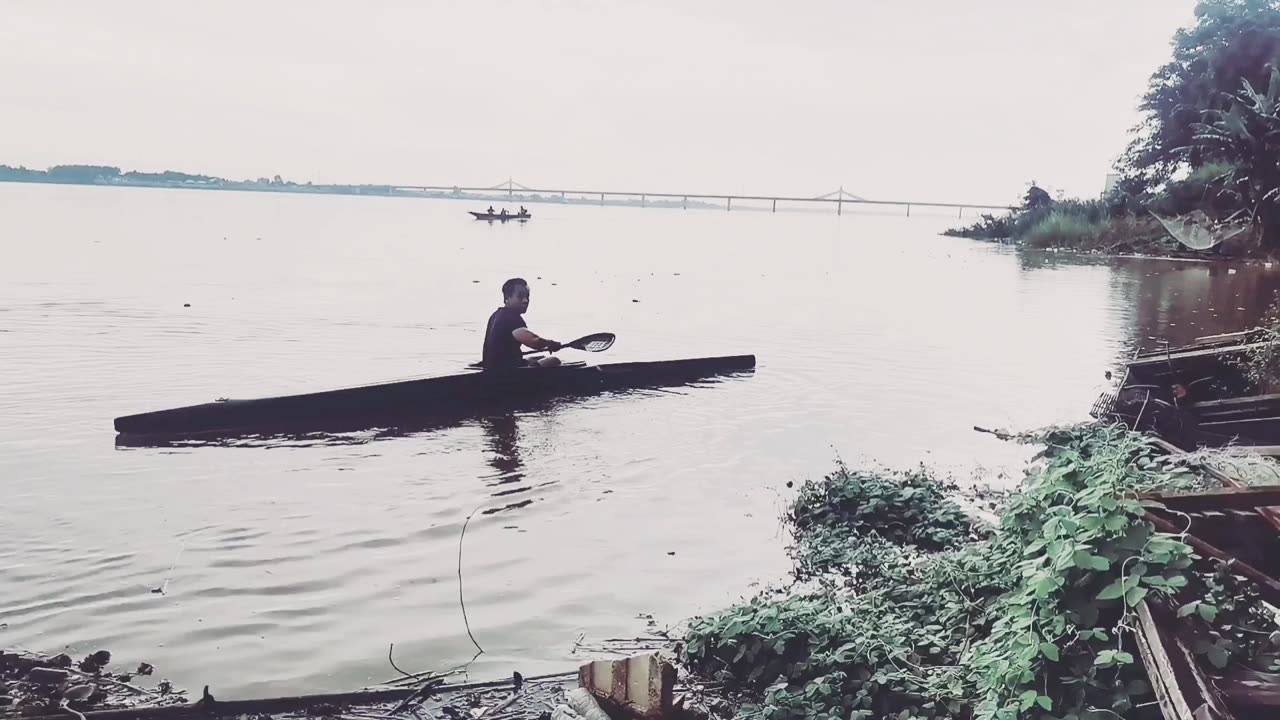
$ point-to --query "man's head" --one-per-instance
(515, 294)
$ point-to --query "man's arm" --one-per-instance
(526, 337)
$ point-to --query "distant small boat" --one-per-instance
(499, 216)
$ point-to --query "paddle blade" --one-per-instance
(599, 342)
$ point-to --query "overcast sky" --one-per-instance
(895, 99)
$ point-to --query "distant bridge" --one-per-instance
(838, 197)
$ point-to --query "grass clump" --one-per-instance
(1063, 229)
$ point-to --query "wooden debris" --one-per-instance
(1268, 586)
(1228, 498)
(1165, 666)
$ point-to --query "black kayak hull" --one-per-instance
(448, 395)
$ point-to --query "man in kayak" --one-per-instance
(506, 332)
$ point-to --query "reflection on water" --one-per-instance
(1174, 301)
(304, 555)
(502, 433)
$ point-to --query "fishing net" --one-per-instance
(1197, 231)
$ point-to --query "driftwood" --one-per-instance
(299, 703)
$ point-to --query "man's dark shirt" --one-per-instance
(501, 350)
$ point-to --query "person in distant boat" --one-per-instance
(506, 332)
(490, 209)
(522, 210)
(503, 213)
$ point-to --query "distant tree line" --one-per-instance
(96, 174)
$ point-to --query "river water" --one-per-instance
(290, 566)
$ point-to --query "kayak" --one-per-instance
(500, 216)
(442, 396)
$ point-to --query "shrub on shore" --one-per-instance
(911, 610)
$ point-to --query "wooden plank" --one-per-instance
(1211, 706)
(1249, 687)
(1164, 681)
(1272, 515)
(1221, 337)
(1182, 689)
(1228, 498)
(1171, 356)
(1247, 423)
(1268, 587)
(1233, 402)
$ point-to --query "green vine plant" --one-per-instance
(1261, 362)
(904, 607)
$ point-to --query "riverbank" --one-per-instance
(1064, 230)
(1188, 218)
(1087, 232)
(904, 605)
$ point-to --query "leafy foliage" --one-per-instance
(1261, 363)
(1064, 229)
(1036, 197)
(947, 622)
(905, 508)
(1247, 135)
(1231, 41)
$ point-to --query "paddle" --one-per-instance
(595, 342)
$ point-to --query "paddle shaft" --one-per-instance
(596, 342)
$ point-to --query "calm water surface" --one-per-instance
(292, 564)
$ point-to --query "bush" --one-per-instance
(1063, 229)
(1135, 234)
(1261, 362)
(988, 227)
(906, 508)
(936, 622)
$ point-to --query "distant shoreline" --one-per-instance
(360, 190)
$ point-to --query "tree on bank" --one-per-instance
(1036, 197)
(1247, 137)
(1232, 41)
